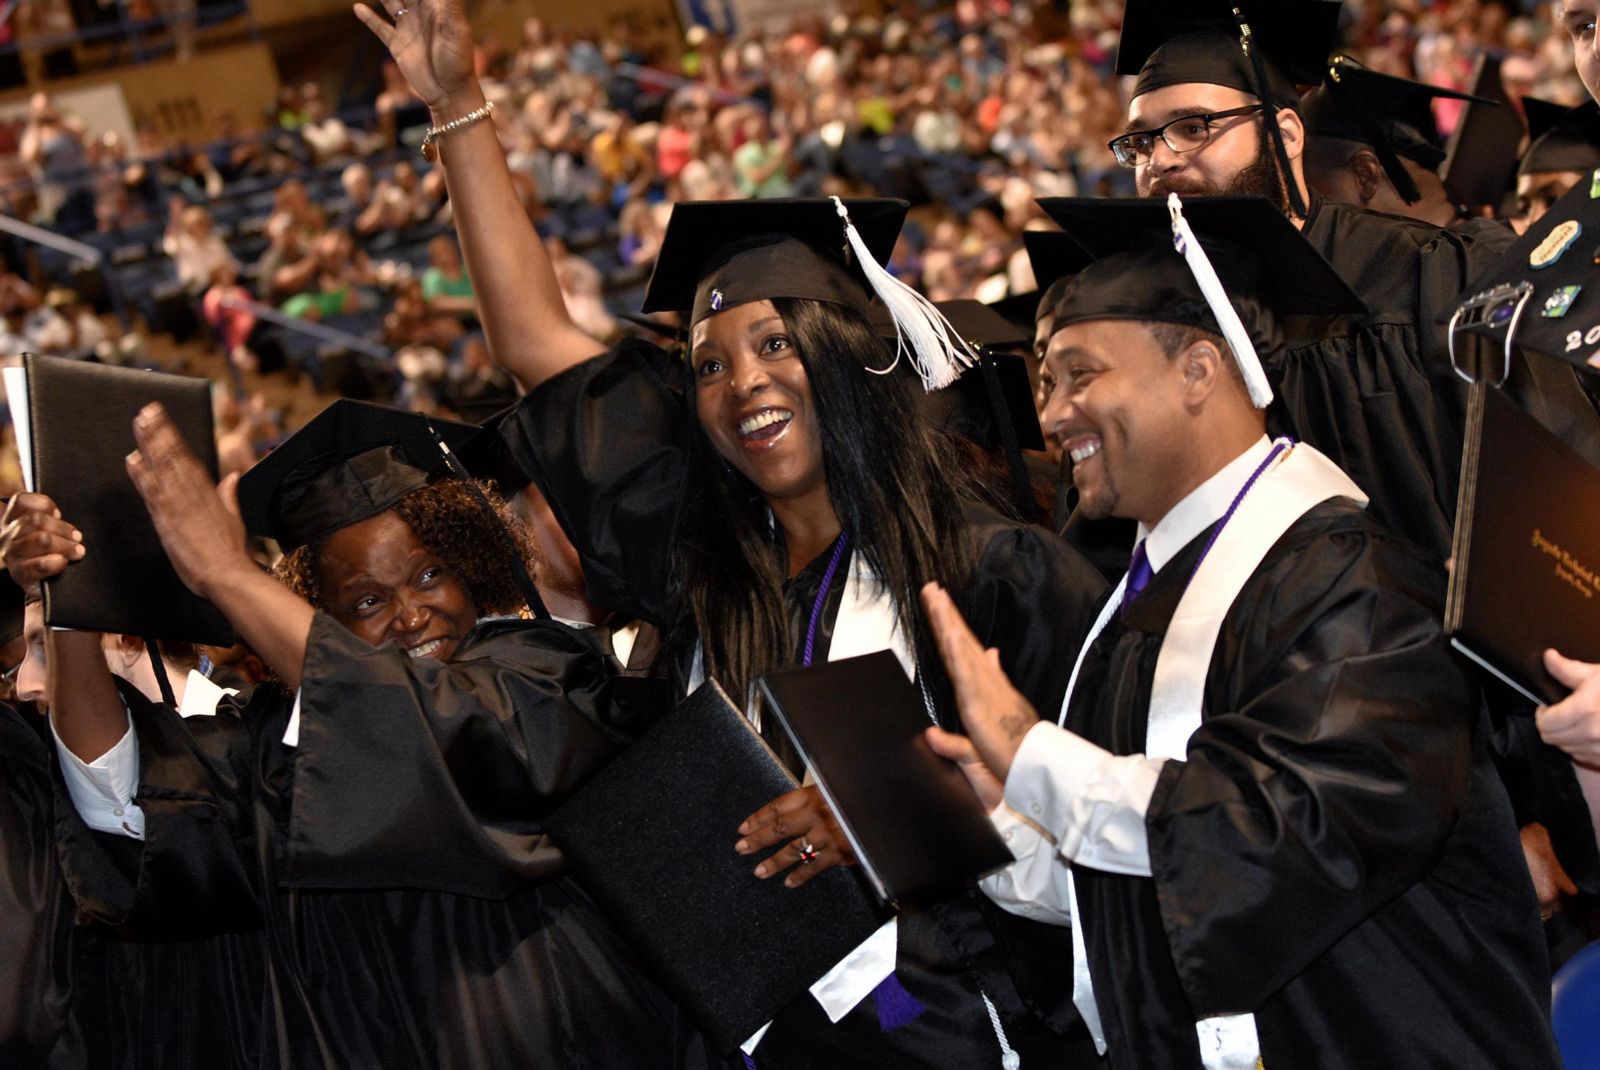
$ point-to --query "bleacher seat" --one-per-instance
(1575, 1009)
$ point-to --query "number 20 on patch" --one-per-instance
(1581, 338)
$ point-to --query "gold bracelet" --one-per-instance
(430, 151)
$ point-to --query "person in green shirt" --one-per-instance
(761, 165)
(445, 285)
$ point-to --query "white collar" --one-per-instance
(1201, 507)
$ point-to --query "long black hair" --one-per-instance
(890, 478)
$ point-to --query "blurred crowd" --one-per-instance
(326, 213)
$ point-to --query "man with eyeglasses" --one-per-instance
(1379, 396)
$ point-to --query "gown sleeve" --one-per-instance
(193, 874)
(608, 443)
(1303, 809)
(415, 773)
(1033, 600)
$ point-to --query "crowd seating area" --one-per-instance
(327, 215)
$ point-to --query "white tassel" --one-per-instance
(1238, 339)
(921, 331)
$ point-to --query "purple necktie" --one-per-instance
(1139, 574)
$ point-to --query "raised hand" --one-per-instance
(431, 42)
(198, 521)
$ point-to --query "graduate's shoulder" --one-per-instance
(630, 360)
(1008, 548)
(1381, 254)
(518, 638)
(1339, 541)
(1348, 223)
(994, 533)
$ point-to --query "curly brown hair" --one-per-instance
(449, 520)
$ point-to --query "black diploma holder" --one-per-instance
(1527, 549)
(914, 821)
(651, 838)
(74, 431)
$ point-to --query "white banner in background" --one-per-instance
(735, 17)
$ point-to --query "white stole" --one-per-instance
(1302, 479)
(866, 624)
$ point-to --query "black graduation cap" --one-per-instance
(1055, 259)
(718, 254)
(997, 389)
(352, 461)
(488, 456)
(1138, 274)
(1020, 309)
(1393, 116)
(671, 334)
(1552, 273)
(1054, 256)
(983, 327)
(1561, 138)
(1172, 42)
(1481, 159)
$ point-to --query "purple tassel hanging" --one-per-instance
(896, 1006)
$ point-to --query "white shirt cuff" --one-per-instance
(102, 790)
(1035, 885)
(1092, 801)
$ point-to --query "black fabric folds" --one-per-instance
(35, 909)
(428, 925)
(1381, 398)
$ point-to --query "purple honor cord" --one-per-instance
(822, 596)
(1278, 447)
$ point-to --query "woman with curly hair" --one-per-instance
(376, 812)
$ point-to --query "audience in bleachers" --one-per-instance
(969, 110)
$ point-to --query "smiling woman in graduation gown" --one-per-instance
(716, 509)
(382, 825)
(611, 442)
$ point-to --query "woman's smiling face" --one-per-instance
(377, 579)
(753, 398)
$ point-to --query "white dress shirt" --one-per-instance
(102, 791)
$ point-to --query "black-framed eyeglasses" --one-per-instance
(9, 676)
(1183, 134)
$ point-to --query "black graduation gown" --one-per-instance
(1385, 404)
(35, 909)
(607, 442)
(414, 913)
(1335, 855)
(1381, 398)
(86, 996)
